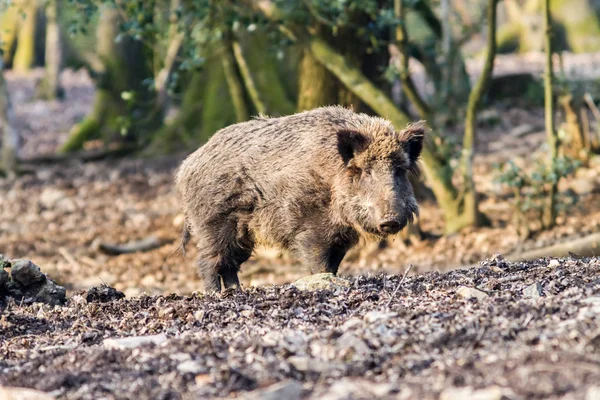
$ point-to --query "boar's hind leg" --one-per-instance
(221, 257)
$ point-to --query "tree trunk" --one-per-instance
(9, 26)
(471, 216)
(50, 87)
(8, 134)
(25, 53)
(316, 84)
(577, 145)
(123, 107)
(553, 140)
(233, 83)
(260, 70)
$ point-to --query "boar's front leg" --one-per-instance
(321, 253)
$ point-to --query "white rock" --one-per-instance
(321, 281)
(271, 338)
(471, 293)
(468, 393)
(554, 263)
(133, 341)
(301, 363)
(593, 393)
(351, 345)
(288, 390)
(374, 316)
(348, 388)
(17, 393)
(351, 324)
(190, 367)
(50, 196)
(534, 291)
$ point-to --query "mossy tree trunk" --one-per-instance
(9, 27)
(578, 144)
(236, 91)
(470, 214)
(241, 71)
(24, 57)
(8, 135)
(124, 107)
(576, 26)
(549, 218)
(316, 85)
(259, 70)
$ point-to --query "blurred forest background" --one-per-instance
(100, 101)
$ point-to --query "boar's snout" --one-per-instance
(391, 226)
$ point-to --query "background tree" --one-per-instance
(8, 134)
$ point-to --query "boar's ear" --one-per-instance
(351, 143)
(412, 138)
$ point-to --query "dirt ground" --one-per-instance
(498, 331)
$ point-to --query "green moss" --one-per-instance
(25, 53)
(8, 33)
(217, 108)
(81, 133)
(263, 67)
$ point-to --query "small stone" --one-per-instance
(17, 393)
(351, 324)
(352, 347)
(496, 269)
(468, 393)
(348, 388)
(593, 393)
(133, 341)
(51, 293)
(26, 273)
(321, 281)
(375, 316)
(50, 196)
(166, 312)
(289, 390)
(103, 294)
(190, 367)
(534, 291)
(554, 263)
(199, 315)
(471, 293)
(247, 313)
(181, 357)
(271, 339)
(301, 363)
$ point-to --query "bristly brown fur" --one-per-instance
(313, 182)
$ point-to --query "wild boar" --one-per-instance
(315, 183)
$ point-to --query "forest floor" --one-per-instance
(497, 330)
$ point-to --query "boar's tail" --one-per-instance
(185, 238)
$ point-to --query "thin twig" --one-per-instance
(70, 259)
(398, 287)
